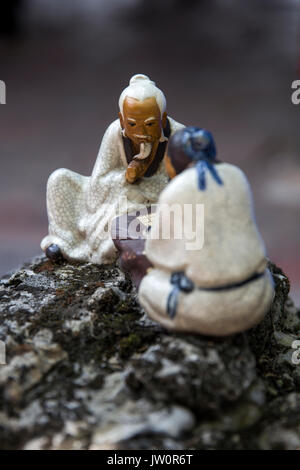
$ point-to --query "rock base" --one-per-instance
(86, 369)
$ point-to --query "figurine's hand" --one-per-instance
(136, 169)
(131, 174)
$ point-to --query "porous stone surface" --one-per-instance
(86, 369)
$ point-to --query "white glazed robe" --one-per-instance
(232, 252)
(80, 208)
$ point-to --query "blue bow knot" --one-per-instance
(180, 283)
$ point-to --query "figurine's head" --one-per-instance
(142, 111)
(188, 146)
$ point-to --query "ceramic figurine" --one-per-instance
(128, 173)
(213, 280)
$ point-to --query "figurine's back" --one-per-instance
(221, 287)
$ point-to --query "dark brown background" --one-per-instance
(223, 65)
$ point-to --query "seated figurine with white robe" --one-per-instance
(209, 273)
(128, 174)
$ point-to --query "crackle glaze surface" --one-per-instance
(233, 251)
(80, 208)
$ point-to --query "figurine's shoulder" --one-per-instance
(230, 169)
(114, 128)
(112, 137)
(232, 174)
(185, 185)
(174, 125)
(180, 187)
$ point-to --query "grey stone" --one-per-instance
(86, 369)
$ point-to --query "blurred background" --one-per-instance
(226, 65)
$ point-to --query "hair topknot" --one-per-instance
(138, 77)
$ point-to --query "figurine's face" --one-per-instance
(142, 120)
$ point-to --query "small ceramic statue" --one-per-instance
(128, 174)
(217, 285)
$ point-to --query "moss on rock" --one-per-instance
(83, 358)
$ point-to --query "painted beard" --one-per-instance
(145, 151)
(146, 147)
